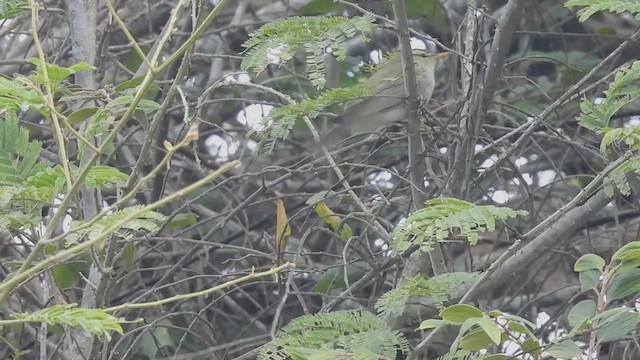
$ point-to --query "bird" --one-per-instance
(387, 103)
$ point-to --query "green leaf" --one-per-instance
(517, 318)
(105, 176)
(327, 355)
(491, 328)
(132, 60)
(589, 262)
(624, 284)
(55, 72)
(333, 279)
(589, 279)
(182, 221)
(17, 95)
(67, 275)
(618, 326)
(440, 217)
(440, 288)
(627, 252)
(608, 314)
(129, 256)
(630, 256)
(566, 349)
(18, 155)
(81, 66)
(457, 314)
(465, 328)
(131, 83)
(581, 312)
(347, 331)
(516, 326)
(135, 82)
(532, 346)
(628, 266)
(94, 321)
(591, 7)
(279, 40)
(476, 340)
(81, 115)
(148, 222)
(9, 9)
(19, 354)
(431, 324)
(596, 117)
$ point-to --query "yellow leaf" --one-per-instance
(129, 256)
(330, 218)
(283, 230)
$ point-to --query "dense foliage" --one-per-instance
(170, 186)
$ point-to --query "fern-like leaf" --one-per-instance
(353, 334)
(148, 223)
(442, 216)
(14, 95)
(18, 219)
(94, 321)
(622, 91)
(105, 176)
(12, 8)
(617, 179)
(593, 6)
(279, 40)
(100, 123)
(280, 121)
(440, 288)
(18, 155)
(26, 184)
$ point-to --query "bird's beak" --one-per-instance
(440, 55)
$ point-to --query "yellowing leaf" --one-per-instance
(282, 229)
(129, 256)
(330, 218)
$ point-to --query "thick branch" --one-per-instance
(481, 99)
(416, 163)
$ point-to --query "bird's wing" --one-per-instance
(389, 86)
(385, 92)
(364, 109)
(383, 107)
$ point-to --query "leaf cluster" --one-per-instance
(596, 116)
(94, 321)
(28, 184)
(440, 217)
(610, 283)
(281, 38)
(440, 288)
(483, 330)
(279, 122)
(593, 6)
(18, 155)
(12, 8)
(622, 91)
(618, 177)
(149, 222)
(336, 335)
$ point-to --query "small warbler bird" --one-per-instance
(387, 104)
